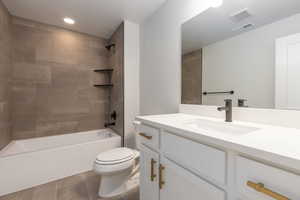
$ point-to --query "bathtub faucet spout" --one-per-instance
(106, 125)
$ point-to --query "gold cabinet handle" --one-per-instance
(145, 136)
(161, 181)
(152, 176)
(259, 187)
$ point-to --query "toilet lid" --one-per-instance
(116, 156)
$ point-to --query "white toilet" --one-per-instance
(119, 170)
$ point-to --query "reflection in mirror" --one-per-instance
(247, 51)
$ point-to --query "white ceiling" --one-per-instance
(215, 24)
(95, 17)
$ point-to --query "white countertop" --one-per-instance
(275, 144)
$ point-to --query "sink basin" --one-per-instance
(221, 127)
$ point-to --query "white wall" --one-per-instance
(160, 76)
(246, 64)
(131, 79)
(160, 65)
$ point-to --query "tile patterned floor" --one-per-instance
(79, 187)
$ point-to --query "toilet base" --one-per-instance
(116, 185)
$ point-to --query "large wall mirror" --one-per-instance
(244, 50)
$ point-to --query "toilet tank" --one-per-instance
(137, 125)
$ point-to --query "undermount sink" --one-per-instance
(221, 127)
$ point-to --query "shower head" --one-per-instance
(108, 47)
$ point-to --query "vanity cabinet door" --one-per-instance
(256, 180)
(176, 183)
(149, 174)
(195, 157)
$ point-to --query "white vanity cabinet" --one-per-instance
(149, 184)
(165, 179)
(180, 184)
(259, 181)
(195, 156)
(174, 167)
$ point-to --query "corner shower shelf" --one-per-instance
(104, 85)
(103, 70)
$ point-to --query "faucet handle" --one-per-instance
(241, 102)
(113, 115)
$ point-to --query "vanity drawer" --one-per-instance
(275, 181)
(205, 161)
(149, 136)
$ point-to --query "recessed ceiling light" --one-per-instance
(68, 20)
(216, 3)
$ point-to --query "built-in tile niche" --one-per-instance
(53, 81)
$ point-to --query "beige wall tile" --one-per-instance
(47, 78)
(24, 127)
(35, 73)
(55, 67)
(91, 123)
(5, 76)
(192, 78)
(23, 100)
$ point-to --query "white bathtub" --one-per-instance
(28, 163)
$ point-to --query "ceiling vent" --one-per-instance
(244, 27)
(240, 16)
(247, 26)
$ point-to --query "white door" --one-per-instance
(179, 184)
(287, 78)
(149, 163)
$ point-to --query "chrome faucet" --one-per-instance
(228, 109)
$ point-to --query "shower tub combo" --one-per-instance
(31, 162)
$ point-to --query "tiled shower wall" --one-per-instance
(116, 60)
(192, 78)
(53, 78)
(5, 74)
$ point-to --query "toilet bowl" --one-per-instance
(119, 171)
